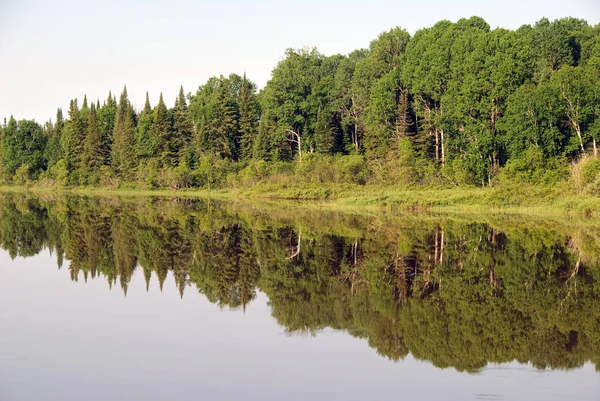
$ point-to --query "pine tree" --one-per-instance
(84, 113)
(182, 126)
(161, 133)
(224, 126)
(73, 138)
(106, 116)
(123, 154)
(248, 117)
(53, 148)
(145, 143)
(92, 156)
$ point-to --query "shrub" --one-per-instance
(353, 169)
(584, 172)
(317, 168)
(21, 176)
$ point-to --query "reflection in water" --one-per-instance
(453, 292)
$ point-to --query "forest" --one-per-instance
(456, 292)
(455, 104)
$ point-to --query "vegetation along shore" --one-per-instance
(456, 115)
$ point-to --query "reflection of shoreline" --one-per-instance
(453, 292)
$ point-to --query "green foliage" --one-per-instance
(585, 174)
(21, 176)
(458, 103)
(533, 167)
(23, 143)
(60, 173)
(123, 146)
(146, 143)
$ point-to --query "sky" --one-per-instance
(53, 51)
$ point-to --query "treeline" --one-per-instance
(456, 293)
(457, 103)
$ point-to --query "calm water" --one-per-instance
(146, 299)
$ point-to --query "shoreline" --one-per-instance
(391, 199)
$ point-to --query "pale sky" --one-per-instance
(52, 51)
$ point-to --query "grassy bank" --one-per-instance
(517, 199)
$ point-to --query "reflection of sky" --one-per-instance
(61, 340)
(52, 51)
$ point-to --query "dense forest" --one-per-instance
(458, 293)
(458, 103)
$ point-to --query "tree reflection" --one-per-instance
(454, 292)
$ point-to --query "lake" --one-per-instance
(139, 298)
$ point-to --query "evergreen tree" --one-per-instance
(92, 155)
(224, 125)
(248, 109)
(84, 113)
(145, 142)
(106, 116)
(73, 140)
(161, 133)
(182, 127)
(53, 149)
(123, 152)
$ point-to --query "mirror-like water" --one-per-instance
(155, 299)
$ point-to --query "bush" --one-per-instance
(585, 172)
(533, 167)
(147, 174)
(21, 176)
(108, 178)
(460, 171)
(316, 167)
(256, 170)
(353, 169)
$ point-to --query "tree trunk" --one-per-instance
(437, 145)
(355, 139)
(578, 130)
(442, 140)
(297, 139)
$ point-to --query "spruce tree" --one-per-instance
(53, 148)
(92, 156)
(248, 118)
(224, 125)
(73, 138)
(106, 116)
(145, 143)
(123, 154)
(161, 133)
(84, 113)
(182, 126)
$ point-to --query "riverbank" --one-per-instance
(508, 199)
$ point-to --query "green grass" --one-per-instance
(508, 199)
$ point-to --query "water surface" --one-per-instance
(154, 299)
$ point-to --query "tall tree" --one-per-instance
(146, 144)
(183, 128)
(73, 140)
(53, 148)
(224, 124)
(248, 109)
(161, 133)
(92, 152)
(123, 152)
(106, 116)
